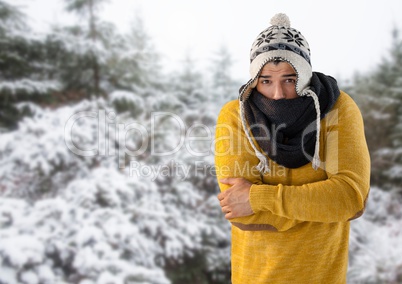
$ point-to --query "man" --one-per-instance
(292, 164)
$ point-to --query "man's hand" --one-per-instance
(235, 201)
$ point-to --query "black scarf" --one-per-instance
(285, 129)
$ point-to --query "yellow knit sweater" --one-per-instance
(299, 231)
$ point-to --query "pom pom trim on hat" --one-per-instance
(281, 20)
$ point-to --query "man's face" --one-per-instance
(277, 81)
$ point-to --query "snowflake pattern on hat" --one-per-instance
(270, 35)
(293, 37)
(276, 34)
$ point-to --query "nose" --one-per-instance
(278, 92)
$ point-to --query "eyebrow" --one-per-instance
(285, 76)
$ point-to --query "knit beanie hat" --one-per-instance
(281, 42)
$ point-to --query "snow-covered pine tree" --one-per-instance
(75, 207)
(24, 66)
(200, 102)
(93, 36)
(187, 83)
(72, 208)
(137, 65)
(379, 95)
(223, 86)
(375, 240)
(98, 57)
(89, 221)
(375, 244)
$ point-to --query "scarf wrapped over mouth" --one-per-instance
(286, 129)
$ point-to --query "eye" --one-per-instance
(291, 81)
(265, 81)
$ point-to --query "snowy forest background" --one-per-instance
(106, 161)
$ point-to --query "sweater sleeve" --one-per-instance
(234, 157)
(340, 197)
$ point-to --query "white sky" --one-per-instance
(344, 35)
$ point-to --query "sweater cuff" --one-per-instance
(262, 197)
